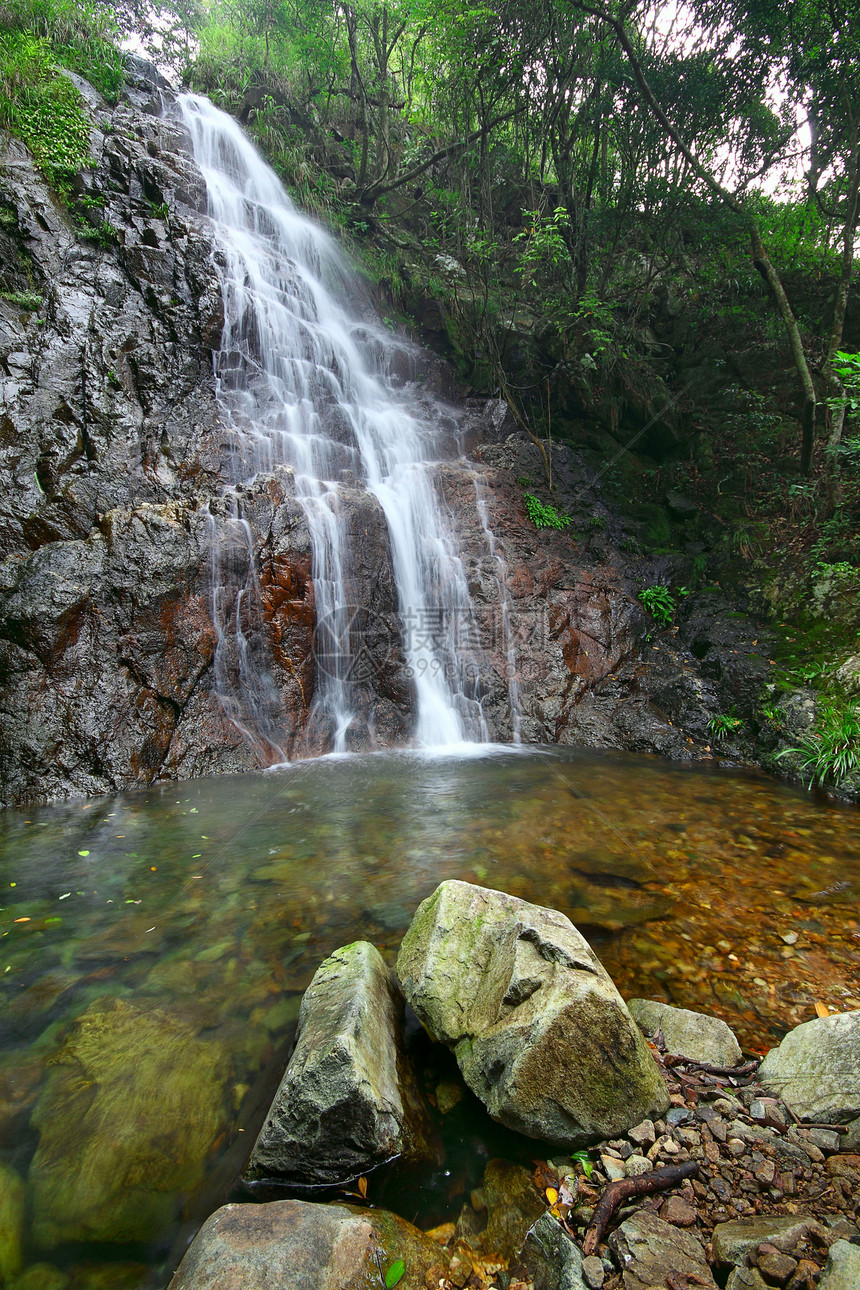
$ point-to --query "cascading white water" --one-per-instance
(305, 382)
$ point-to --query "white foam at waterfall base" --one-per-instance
(304, 380)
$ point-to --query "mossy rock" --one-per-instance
(12, 1209)
(130, 1107)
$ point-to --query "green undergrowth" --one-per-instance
(38, 103)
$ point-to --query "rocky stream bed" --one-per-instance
(760, 1163)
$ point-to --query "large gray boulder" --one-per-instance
(687, 1034)
(540, 1033)
(348, 1101)
(816, 1069)
(294, 1245)
(842, 1269)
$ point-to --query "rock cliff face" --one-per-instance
(114, 456)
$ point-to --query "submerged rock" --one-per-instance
(540, 1033)
(687, 1034)
(12, 1212)
(115, 1153)
(816, 1069)
(348, 1100)
(294, 1245)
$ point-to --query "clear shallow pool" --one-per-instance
(154, 947)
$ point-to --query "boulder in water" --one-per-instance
(348, 1100)
(290, 1244)
(131, 1105)
(540, 1032)
(12, 1211)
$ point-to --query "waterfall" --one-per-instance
(307, 379)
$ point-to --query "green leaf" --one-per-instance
(394, 1274)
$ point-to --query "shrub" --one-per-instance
(544, 516)
(660, 603)
(831, 751)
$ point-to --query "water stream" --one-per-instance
(309, 378)
(155, 946)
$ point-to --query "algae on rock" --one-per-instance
(131, 1105)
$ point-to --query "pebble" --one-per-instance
(593, 1272)
(775, 1266)
(790, 938)
(614, 1169)
(677, 1211)
(636, 1166)
(643, 1135)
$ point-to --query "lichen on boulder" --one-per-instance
(348, 1100)
(539, 1031)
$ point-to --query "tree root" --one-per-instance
(617, 1192)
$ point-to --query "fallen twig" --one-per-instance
(617, 1192)
(672, 1059)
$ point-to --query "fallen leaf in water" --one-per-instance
(551, 1195)
(362, 1186)
(821, 1008)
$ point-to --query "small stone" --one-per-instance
(643, 1135)
(824, 1139)
(724, 1106)
(816, 1155)
(614, 1169)
(848, 1166)
(776, 1267)
(790, 938)
(746, 1279)
(677, 1211)
(766, 1173)
(736, 1147)
(593, 1273)
(478, 1200)
(805, 1275)
(766, 1111)
(636, 1166)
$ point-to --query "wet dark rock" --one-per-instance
(348, 1100)
(646, 1250)
(294, 1245)
(540, 1033)
(551, 1259)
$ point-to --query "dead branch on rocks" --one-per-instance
(617, 1192)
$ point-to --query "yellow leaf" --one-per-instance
(551, 1195)
(821, 1008)
(362, 1186)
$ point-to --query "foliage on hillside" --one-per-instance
(38, 103)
